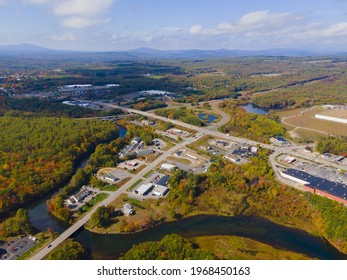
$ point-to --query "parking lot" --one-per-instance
(17, 247)
(223, 144)
(131, 164)
(318, 170)
(121, 174)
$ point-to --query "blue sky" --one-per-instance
(175, 24)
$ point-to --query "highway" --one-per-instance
(293, 150)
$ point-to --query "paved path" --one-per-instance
(284, 120)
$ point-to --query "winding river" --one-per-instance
(113, 246)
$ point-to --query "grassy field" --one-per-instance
(110, 188)
(179, 159)
(148, 212)
(307, 120)
(240, 248)
(135, 184)
(98, 198)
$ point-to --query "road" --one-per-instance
(204, 130)
(201, 132)
(81, 222)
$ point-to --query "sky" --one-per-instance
(111, 25)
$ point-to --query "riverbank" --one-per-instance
(216, 203)
(231, 247)
(112, 246)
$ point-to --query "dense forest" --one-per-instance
(38, 154)
(19, 224)
(171, 247)
(333, 145)
(69, 250)
(149, 105)
(328, 91)
(182, 114)
(47, 108)
(256, 127)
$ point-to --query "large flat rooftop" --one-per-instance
(335, 113)
(333, 188)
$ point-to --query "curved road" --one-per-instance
(301, 127)
(201, 131)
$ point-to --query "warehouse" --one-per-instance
(168, 167)
(144, 189)
(144, 152)
(335, 115)
(160, 190)
(318, 185)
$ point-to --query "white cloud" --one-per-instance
(263, 29)
(251, 21)
(82, 22)
(84, 8)
(77, 13)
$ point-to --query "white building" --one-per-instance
(293, 178)
(332, 119)
(128, 209)
(191, 156)
(231, 159)
(136, 140)
(168, 167)
(160, 191)
(289, 159)
(144, 189)
(110, 177)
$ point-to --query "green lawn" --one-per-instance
(90, 204)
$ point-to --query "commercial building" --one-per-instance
(136, 140)
(160, 191)
(110, 177)
(191, 156)
(161, 188)
(279, 141)
(144, 189)
(80, 195)
(335, 114)
(231, 158)
(289, 159)
(318, 185)
(168, 167)
(332, 119)
(128, 209)
(163, 181)
(144, 152)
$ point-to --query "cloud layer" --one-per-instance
(77, 13)
(280, 29)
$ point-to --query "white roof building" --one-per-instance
(144, 189)
(168, 166)
(160, 190)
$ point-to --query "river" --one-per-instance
(113, 246)
(39, 215)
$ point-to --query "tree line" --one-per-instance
(38, 154)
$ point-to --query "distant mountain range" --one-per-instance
(23, 48)
(30, 50)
